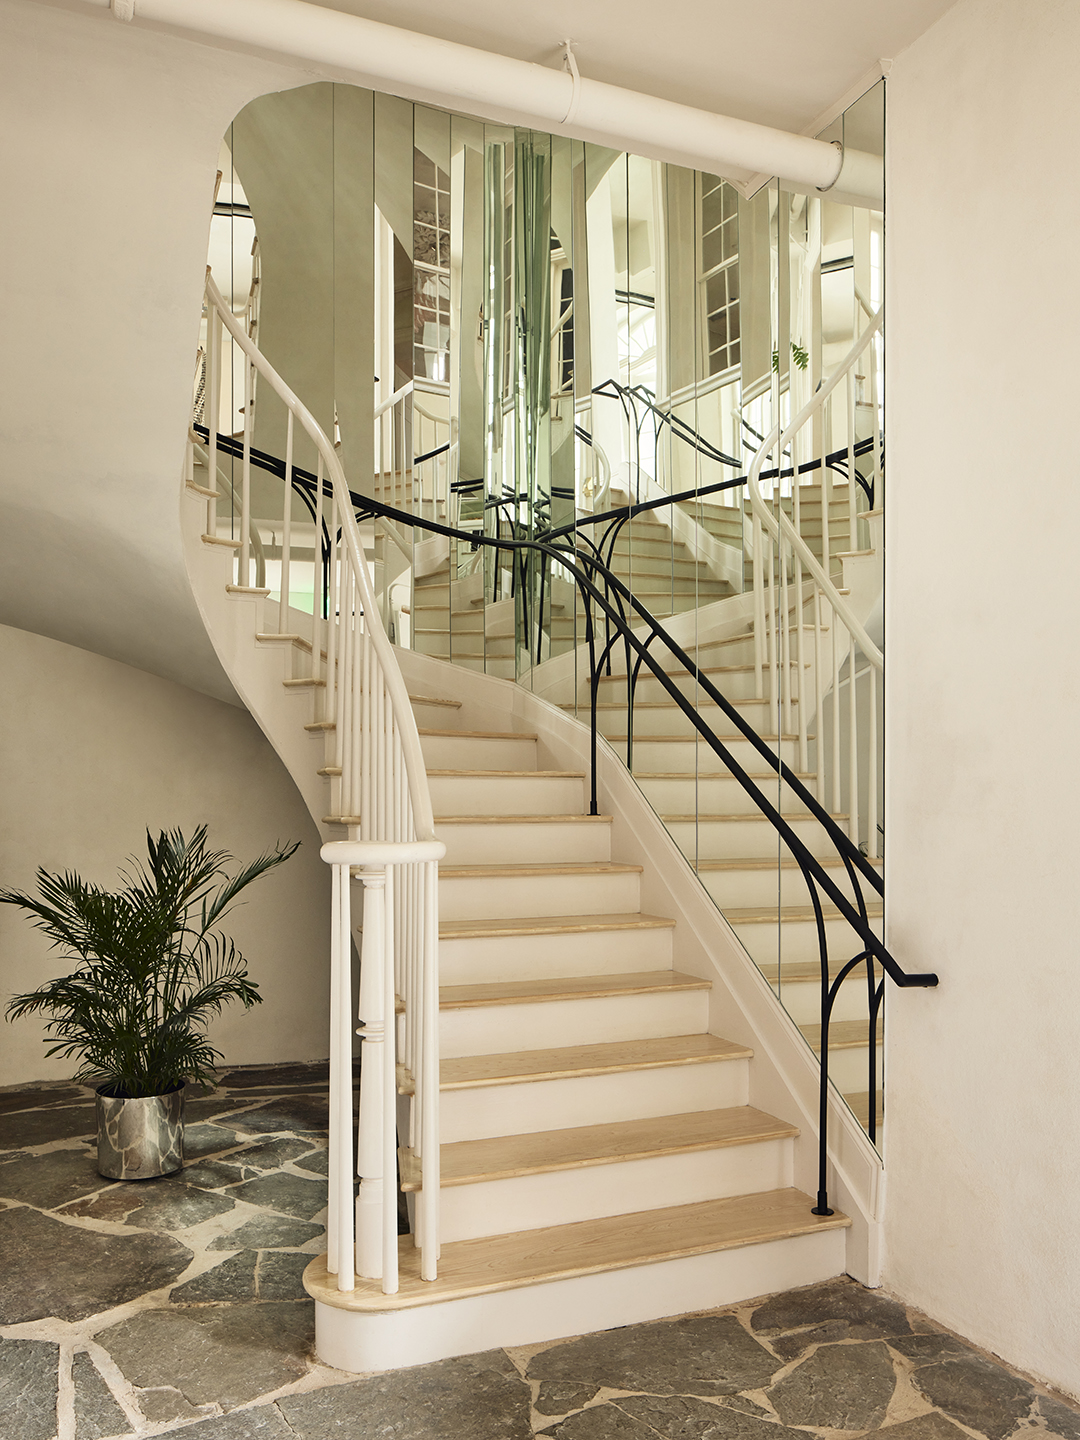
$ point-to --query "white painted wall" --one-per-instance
(92, 752)
(111, 142)
(983, 1158)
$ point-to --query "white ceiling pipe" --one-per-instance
(500, 88)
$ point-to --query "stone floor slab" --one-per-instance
(48, 1181)
(277, 1077)
(474, 1396)
(318, 1162)
(87, 1272)
(600, 1422)
(684, 1417)
(280, 1276)
(268, 1232)
(262, 1422)
(96, 1412)
(216, 1174)
(868, 1314)
(840, 1387)
(206, 1139)
(291, 1113)
(559, 1397)
(233, 1279)
(289, 1194)
(39, 1098)
(28, 1388)
(177, 1207)
(1059, 1418)
(701, 1355)
(41, 1127)
(271, 1154)
(224, 1354)
(977, 1393)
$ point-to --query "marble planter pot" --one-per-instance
(140, 1139)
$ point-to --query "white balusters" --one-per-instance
(780, 601)
(382, 796)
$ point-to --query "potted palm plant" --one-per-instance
(152, 971)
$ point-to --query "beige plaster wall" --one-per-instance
(982, 1138)
(92, 752)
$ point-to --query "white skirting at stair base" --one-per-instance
(367, 1341)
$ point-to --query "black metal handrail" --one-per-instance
(604, 594)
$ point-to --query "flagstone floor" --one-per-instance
(175, 1306)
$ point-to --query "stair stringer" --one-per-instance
(743, 1006)
(257, 671)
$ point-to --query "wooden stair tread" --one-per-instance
(479, 734)
(682, 739)
(771, 914)
(522, 819)
(585, 1247)
(222, 540)
(509, 1156)
(573, 987)
(551, 925)
(567, 867)
(646, 674)
(517, 774)
(843, 1035)
(517, 1067)
(773, 862)
(791, 971)
(669, 704)
(769, 775)
(754, 815)
(434, 700)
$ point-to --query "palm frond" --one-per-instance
(150, 976)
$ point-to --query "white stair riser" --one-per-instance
(802, 999)
(436, 717)
(670, 720)
(738, 685)
(798, 941)
(551, 957)
(367, 1343)
(485, 1110)
(759, 887)
(738, 839)
(535, 844)
(529, 1202)
(849, 1069)
(497, 1029)
(713, 794)
(506, 794)
(477, 752)
(683, 755)
(505, 896)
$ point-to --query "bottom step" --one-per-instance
(564, 1280)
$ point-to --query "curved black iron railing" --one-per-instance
(626, 621)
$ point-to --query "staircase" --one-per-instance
(620, 1108)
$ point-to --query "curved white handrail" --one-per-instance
(416, 772)
(392, 400)
(779, 523)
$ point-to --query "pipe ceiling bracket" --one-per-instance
(122, 9)
(824, 189)
(570, 64)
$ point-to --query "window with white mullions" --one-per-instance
(431, 269)
(718, 274)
